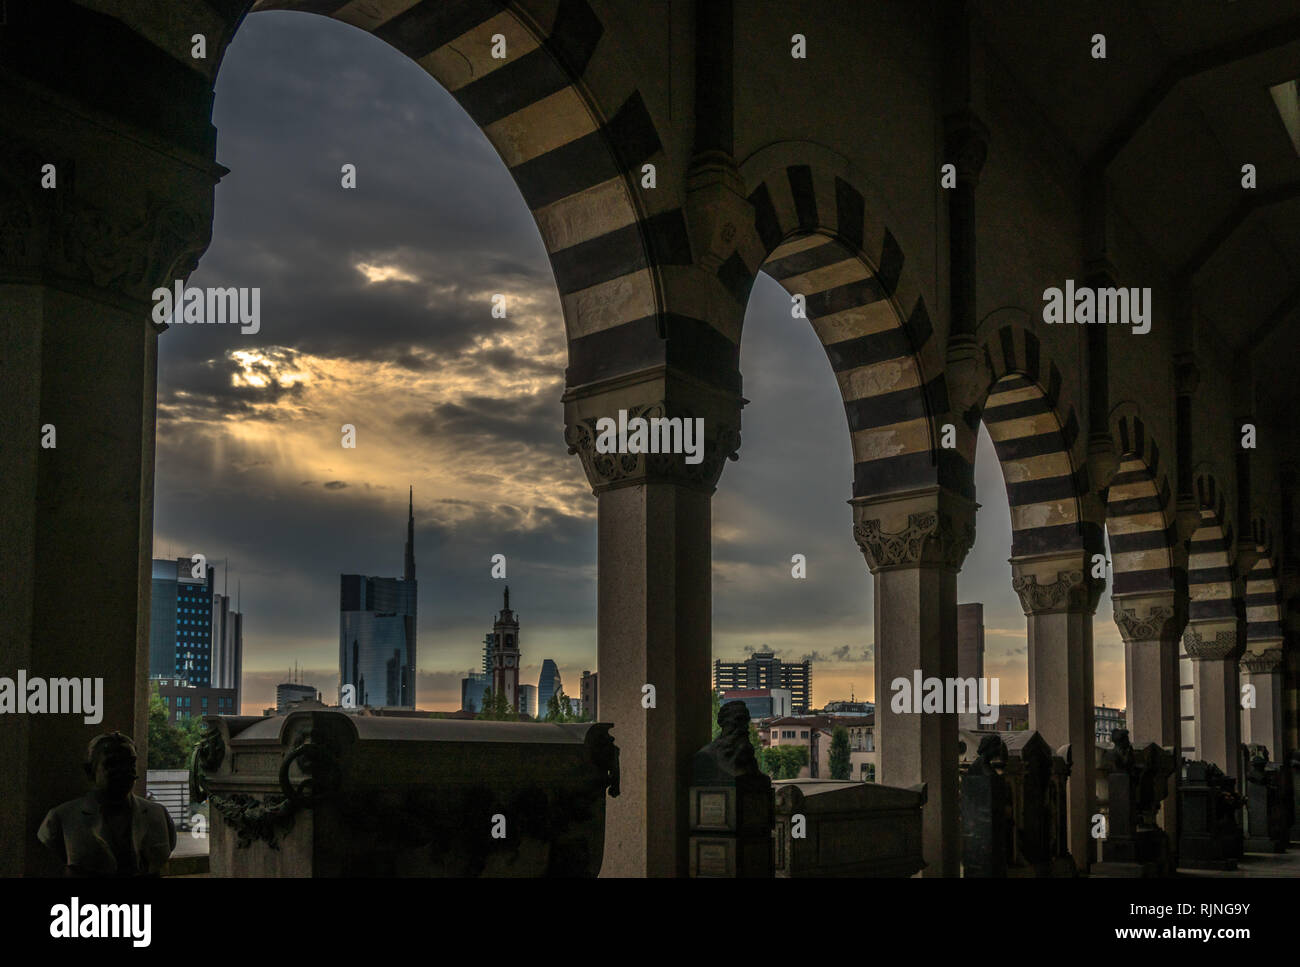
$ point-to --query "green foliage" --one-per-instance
(558, 708)
(170, 746)
(717, 707)
(496, 708)
(755, 741)
(841, 759)
(784, 761)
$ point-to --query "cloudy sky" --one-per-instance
(376, 311)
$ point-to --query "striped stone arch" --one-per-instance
(562, 111)
(1211, 571)
(1140, 512)
(1263, 593)
(815, 233)
(1036, 436)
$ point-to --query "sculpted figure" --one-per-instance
(110, 831)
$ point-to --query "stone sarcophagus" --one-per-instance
(331, 793)
(1138, 781)
(1209, 837)
(1013, 806)
(1267, 809)
(839, 827)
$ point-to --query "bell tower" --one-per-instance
(505, 654)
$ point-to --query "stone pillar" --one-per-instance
(654, 606)
(1213, 649)
(1151, 626)
(914, 544)
(1264, 722)
(1059, 598)
(127, 210)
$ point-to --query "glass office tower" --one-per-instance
(377, 632)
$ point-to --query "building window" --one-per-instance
(789, 734)
(803, 734)
(868, 772)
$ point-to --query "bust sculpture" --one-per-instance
(110, 832)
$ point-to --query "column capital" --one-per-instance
(927, 528)
(119, 216)
(662, 402)
(1263, 662)
(1073, 590)
(1151, 617)
(1210, 644)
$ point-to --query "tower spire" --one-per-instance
(409, 570)
(506, 606)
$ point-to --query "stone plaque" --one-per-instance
(712, 859)
(713, 809)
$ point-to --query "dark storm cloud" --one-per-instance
(535, 422)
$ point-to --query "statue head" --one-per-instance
(1119, 738)
(110, 764)
(733, 718)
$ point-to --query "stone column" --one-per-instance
(82, 246)
(654, 605)
(914, 544)
(1213, 648)
(1264, 722)
(1151, 626)
(1059, 598)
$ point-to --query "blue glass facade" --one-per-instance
(180, 630)
(377, 632)
(377, 639)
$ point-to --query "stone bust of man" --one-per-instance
(110, 832)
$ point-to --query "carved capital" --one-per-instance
(1221, 648)
(126, 244)
(1159, 622)
(609, 470)
(1072, 591)
(932, 538)
(1264, 662)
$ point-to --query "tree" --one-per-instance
(841, 759)
(755, 741)
(717, 707)
(170, 745)
(558, 709)
(497, 708)
(784, 761)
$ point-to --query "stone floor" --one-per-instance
(1257, 864)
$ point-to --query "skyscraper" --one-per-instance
(547, 685)
(763, 669)
(377, 632)
(227, 643)
(180, 629)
